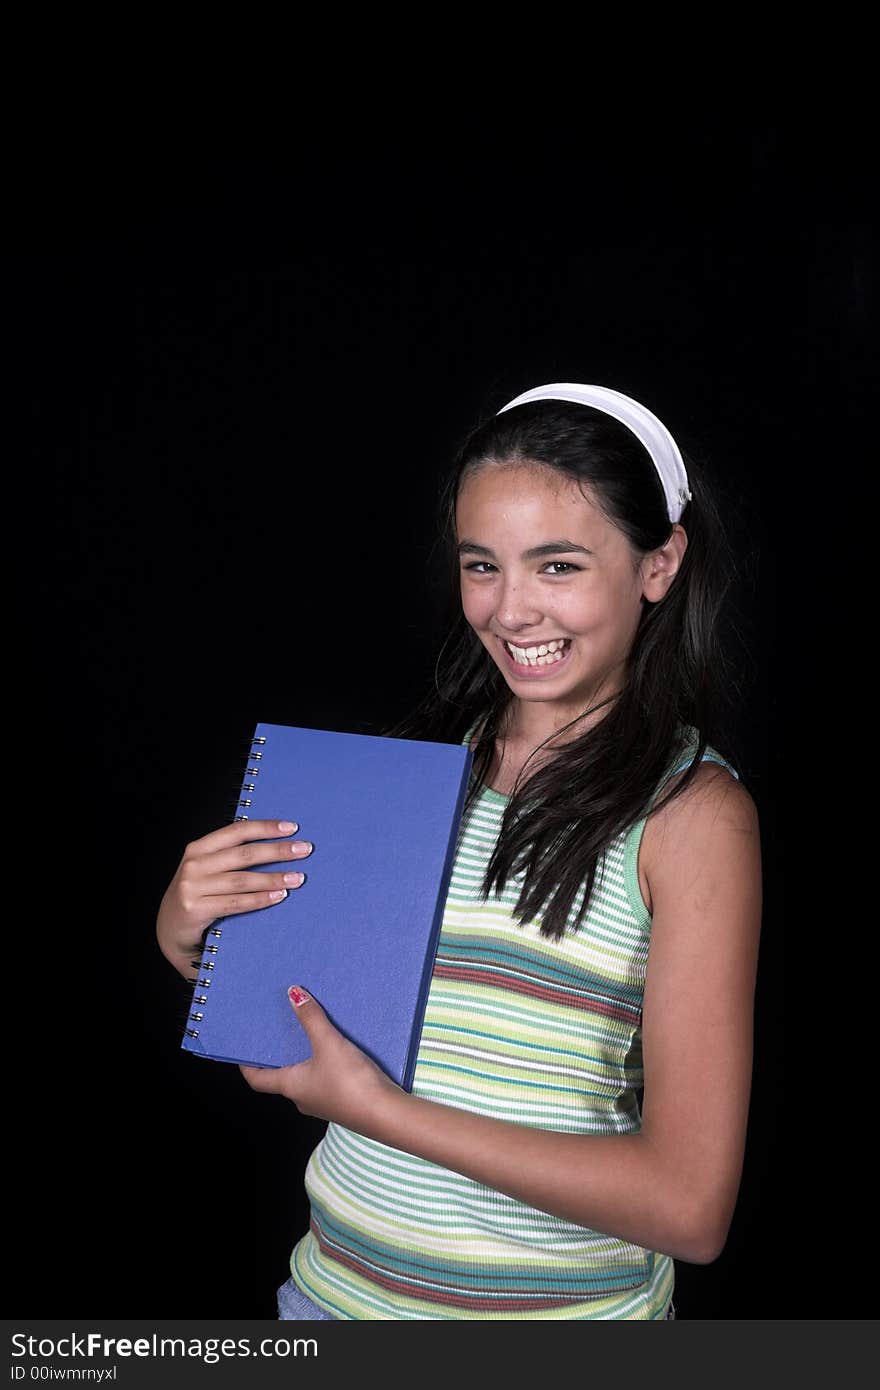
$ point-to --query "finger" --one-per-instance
(257, 852)
(309, 1012)
(264, 1079)
(273, 1079)
(232, 904)
(222, 885)
(240, 832)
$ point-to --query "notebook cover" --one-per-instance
(361, 933)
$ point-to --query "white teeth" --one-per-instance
(545, 655)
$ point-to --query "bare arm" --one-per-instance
(672, 1187)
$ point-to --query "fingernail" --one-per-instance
(277, 894)
(295, 879)
(298, 996)
(287, 827)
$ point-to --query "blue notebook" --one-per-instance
(361, 933)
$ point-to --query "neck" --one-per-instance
(528, 723)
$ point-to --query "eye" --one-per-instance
(563, 566)
(476, 566)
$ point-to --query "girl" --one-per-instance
(578, 1115)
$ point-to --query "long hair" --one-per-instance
(563, 815)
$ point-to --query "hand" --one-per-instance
(338, 1082)
(214, 879)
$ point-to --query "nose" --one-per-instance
(516, 609)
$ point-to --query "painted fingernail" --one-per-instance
(298, 996)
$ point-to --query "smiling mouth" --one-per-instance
(540, 655)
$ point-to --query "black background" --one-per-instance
(243, 381)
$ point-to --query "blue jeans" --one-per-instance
(295, 1306)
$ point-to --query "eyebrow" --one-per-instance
(562, 547)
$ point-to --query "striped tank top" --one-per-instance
(537, 1032)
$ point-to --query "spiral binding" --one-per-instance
(196, 1016)
(251, 771)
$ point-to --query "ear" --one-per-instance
(659, 568)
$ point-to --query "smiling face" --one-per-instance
(540, 565)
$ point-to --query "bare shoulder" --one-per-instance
(714, 799)
(714, 819)
(704, 869)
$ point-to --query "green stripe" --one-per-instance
(488, 1048)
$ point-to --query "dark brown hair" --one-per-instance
(563, 815)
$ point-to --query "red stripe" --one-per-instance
(606, 1008)
(506, 1302)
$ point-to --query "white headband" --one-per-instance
(646, 427)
